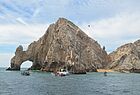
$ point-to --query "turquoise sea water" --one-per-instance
(41, 83)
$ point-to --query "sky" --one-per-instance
(112, 22)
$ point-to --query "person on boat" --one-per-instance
(105, 73)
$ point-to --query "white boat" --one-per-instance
(62, 72)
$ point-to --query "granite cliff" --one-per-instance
(126, 58)
(63, 45)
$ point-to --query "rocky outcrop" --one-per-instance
(126, 58)
(63, 45)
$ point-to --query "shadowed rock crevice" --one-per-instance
(63, 45)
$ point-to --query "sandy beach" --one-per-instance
(103, 70)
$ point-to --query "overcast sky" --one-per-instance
(113, 22)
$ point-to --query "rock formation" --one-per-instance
(126, 58)
(63, 45)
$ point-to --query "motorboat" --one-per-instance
(25, 73)
(62, 72)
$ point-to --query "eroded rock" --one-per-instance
(63, 45)
(126, 58)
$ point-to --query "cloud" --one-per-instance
(114, 31)
(41, 11)
(21, 34)
(13, 9)
(20, 20)
(36, 12)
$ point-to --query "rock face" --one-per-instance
(126, 58)
(63, 45)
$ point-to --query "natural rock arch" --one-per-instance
(21, 57)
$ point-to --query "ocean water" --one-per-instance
(42, 83)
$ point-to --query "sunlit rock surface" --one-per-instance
(126, 58)
(63, 45)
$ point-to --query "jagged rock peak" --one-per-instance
(63, 21)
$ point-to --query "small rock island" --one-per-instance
(126, 58)
(65, 45)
